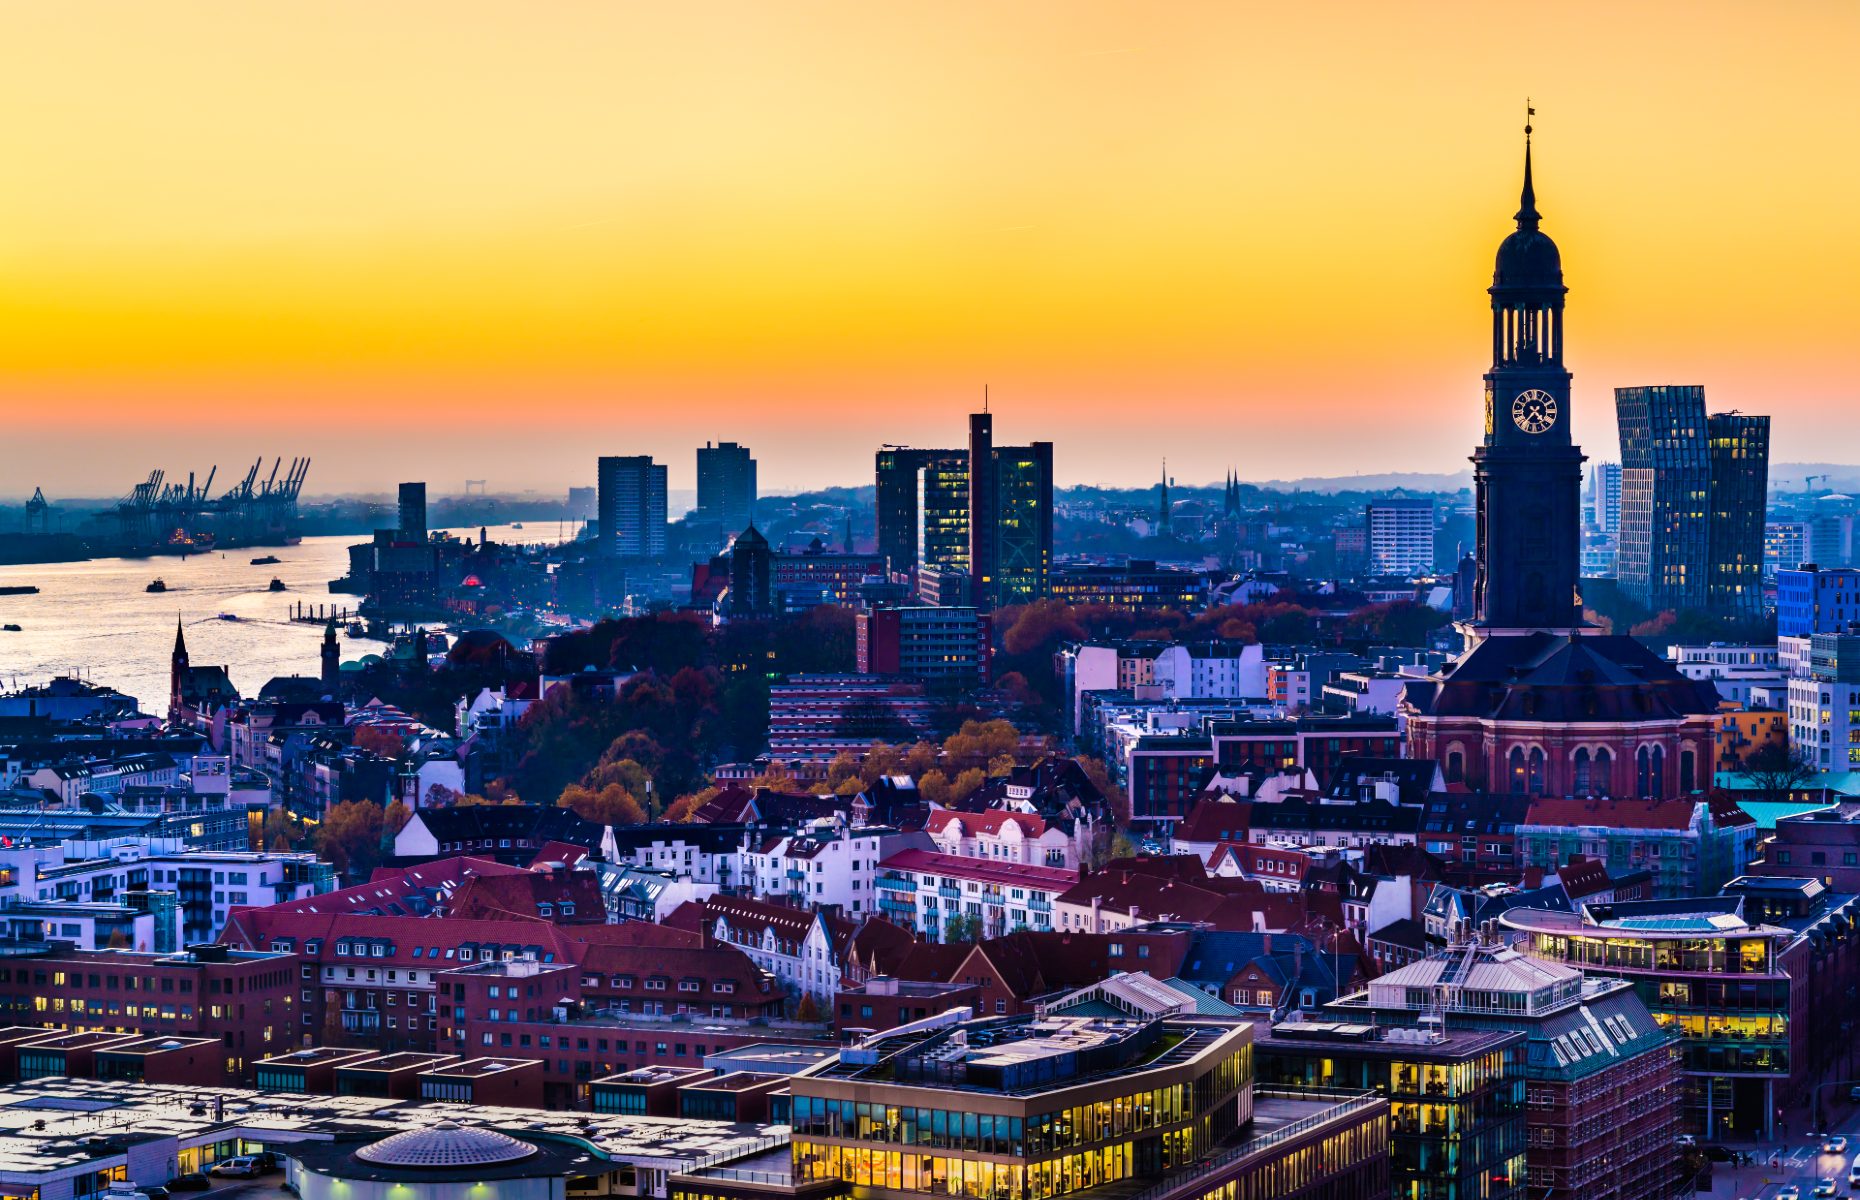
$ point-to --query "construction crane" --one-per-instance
(157, 515)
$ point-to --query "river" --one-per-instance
(97, 618)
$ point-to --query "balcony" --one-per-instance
(361, 1022)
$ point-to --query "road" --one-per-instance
(1797, 1160)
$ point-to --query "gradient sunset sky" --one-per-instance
(449, 240)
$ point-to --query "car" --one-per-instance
(1834, 1144)
(153, 1193)
(193, 1181)
(1853, 1177)
(1824, 1187)
(1791, 1192)
(245, 1166)
(1686, 1139)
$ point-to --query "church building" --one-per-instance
(1541, 703)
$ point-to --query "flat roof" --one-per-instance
(404, 1060)
(50, 1125)
(478, 1068)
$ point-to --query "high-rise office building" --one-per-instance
(632, 507)
(726, 486)
(1693, 494)
(1740, 469)
(412, 525)
(987, 511)
(1665, 538)
(1604, 502)
(943, 515)
(1010, 517)
(1400, 536)
(901, 484)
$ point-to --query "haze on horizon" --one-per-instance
(492, 241)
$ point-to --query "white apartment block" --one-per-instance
(1401, 536)
(923, 891)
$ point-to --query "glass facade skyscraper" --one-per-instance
(1693, 494)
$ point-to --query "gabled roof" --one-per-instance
(1214, 820)
(1559, 813)
(989, 824)
(1009, 874)
(420, 890)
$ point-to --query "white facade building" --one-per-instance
(1218, 671)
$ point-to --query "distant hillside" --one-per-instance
(1413, 481)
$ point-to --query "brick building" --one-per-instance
(245, 1001)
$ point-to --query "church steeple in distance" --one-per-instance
(1527, 473)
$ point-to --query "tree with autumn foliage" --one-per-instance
(350, 837)
(683, 808)
(612, 805)
(379, 741)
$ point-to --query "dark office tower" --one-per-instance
(750, 565)
(412, 512)
(987, 511)
(1527, 474)
(1165, 512)
(632, 507)
(1740, 475)
(1663, 551)
(1023, 525)
(982, 544)
(726, 485)
(901, 481)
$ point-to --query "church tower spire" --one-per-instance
(1527, 473)
(177, 671)
(1527, 216)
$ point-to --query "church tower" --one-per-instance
(331, 657)
(177, 671)
(1527, 473)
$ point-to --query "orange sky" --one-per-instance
(450, 240)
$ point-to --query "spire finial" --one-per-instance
(1527, 203)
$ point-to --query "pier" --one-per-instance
(319, 614)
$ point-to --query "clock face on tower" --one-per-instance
(1534, 411)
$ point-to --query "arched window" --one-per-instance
(1604, 772)
(1584, 786)
(1516, 762)
(1537, 771)
(1456, 766)
(1688, 772)
(1643, 777)
(1659, 772)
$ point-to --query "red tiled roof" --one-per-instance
(1043, 878)
(991, 822)
(1215, 821)
(562, 852)
(1616, 814)
(391, 886)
